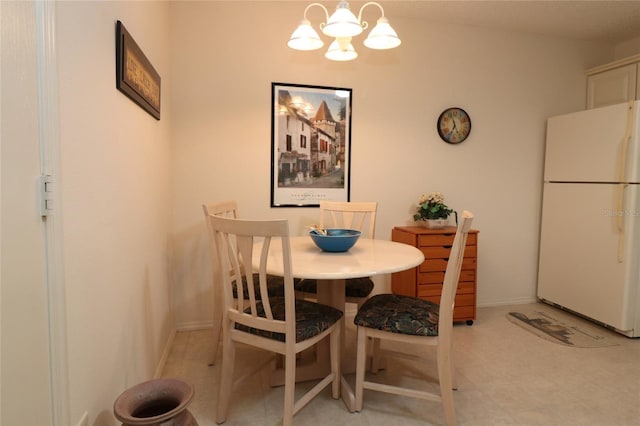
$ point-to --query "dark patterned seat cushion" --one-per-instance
(399, 314)
(354, 287)
(311, 319)
(275, 286)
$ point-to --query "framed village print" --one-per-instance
(310, 144)
(135, 76)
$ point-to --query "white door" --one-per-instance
(589, 146)
(26, 375)
(586, 264)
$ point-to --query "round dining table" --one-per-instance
(367, 258)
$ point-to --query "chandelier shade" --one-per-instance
(382, 36)
(343, 25)
(305, 37)
(341, 50)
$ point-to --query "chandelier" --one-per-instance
(343, 26)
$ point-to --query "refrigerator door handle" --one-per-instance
(622, 178)
(624, 147)
(620, 214)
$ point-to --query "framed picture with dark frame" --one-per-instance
(135, 76)
(310, 144)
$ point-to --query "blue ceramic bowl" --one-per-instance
(336, 240)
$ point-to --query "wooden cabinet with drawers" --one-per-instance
(425, 281)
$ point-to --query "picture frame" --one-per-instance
(310, 144)
(135, 76)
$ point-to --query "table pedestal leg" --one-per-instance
(332, 293)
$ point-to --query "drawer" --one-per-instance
(431, 278)
(435, 290)
(465, 300)
(464, 313)
(434, 265)
(431, 265)
(436, 239)
(442, 252)
(438, 277)
(430, 292)
(444, 239)
(466, 287)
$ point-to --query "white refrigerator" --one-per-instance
(590, 234)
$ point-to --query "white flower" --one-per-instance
(422, 199)
(435, 197)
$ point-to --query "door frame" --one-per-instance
(50, 166)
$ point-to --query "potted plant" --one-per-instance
(432, 212)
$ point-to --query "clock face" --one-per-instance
(454, 125)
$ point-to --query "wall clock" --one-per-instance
(454, 125)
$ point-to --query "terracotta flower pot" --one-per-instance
(159, 402)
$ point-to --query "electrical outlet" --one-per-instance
(84, 420)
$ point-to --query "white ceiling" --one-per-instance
(592, 20)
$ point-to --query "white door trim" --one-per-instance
(50, 165)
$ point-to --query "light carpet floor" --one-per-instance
(506, 376)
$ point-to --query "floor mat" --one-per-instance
(563, 328)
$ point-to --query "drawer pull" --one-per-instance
(448, 247)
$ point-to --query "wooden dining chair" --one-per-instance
(351, 215)
(279, 324)
(408, 319)
(274, 283)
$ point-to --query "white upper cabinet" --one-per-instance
(613, 83)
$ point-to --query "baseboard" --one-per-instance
(165, 354)
(195, 325)
(167, 347)
(493, 303)
(84, 420)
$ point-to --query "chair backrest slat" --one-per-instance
(351, 215)
(244, 254)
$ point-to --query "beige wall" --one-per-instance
(115, 191)
(225, 55)
(627, 48)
